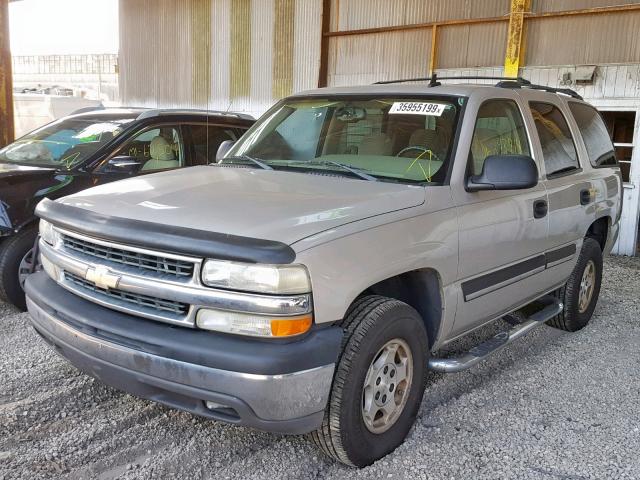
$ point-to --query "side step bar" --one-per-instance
(480, 352)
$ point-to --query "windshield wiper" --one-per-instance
(257, 162)
(355, 170)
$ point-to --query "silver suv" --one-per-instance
(307, 282)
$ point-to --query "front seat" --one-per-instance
(428, 139)
(377, 144)
(162, 156)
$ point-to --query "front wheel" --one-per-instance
(580, 293)
(16, 257)
(378, 384)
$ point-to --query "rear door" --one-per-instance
(569, 184)
(501, 240)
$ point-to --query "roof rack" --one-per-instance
(504, 82)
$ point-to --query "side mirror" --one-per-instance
(223, 148)
(505, 172)
(122, 164)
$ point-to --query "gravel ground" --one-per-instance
(552, 406)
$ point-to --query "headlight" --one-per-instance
(47, 232)
(252, 324)
(276, 279)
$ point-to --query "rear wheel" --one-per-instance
(378, 384)
(580, 293)
(16, 257)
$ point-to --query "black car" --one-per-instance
(90, 148)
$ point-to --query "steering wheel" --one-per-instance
(421, 149)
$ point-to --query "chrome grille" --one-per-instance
(143, 302)
(169, 266)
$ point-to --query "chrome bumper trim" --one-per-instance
(271, 397)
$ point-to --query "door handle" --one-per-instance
(540, 208)
(585, 197)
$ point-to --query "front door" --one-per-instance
(502, 237)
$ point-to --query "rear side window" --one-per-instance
(499, 130)
(206, 139)
(558, 148)
(594, 133)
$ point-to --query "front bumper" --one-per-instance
(280, 387)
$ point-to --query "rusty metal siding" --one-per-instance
(589, 39)
(306, 44)
(154, 71)
(282, 73)
(543, 6)
(220, 55)
(358, 60)
(464, 46)
(357, 14)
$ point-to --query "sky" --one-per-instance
(46, 27)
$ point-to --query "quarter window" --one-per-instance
(594, 133)
(558, 148)
(499, 130)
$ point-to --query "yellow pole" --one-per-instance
(514, 57)
(6, 84)
(433, 57)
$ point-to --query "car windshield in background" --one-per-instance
(62, 144)
(376, 138)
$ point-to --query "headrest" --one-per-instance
(161, 149)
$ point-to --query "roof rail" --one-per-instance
(156, 112)
(434, 80)
(504, 82)
(533, 86)
(87, 109)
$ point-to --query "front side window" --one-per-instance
(63, 144)
(594, 133)
(158, 148)
(499, 130)
(375, 138)
(558, 149)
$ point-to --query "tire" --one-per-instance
(12, 252)
(372, 326)
(576, 315)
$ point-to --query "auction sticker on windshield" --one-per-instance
(418, 108)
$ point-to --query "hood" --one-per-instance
(265, 204)
(8, 170)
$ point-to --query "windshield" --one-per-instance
(62, 144)
(376, 138)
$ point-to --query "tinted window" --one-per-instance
(206, 139)
(499, 130)
(64, 143)
(594, 133)
(558, 149)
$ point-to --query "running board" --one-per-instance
(480, 352)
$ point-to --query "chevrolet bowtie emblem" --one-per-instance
(101, 277)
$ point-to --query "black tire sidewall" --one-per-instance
(362, 446)
(12, 251)
(574, 319)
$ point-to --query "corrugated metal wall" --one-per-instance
(589, 39)
(238, 55)
(245, 54)
(540, 6)
(357, 14)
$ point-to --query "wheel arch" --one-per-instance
(421, 289)
(599, 231)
